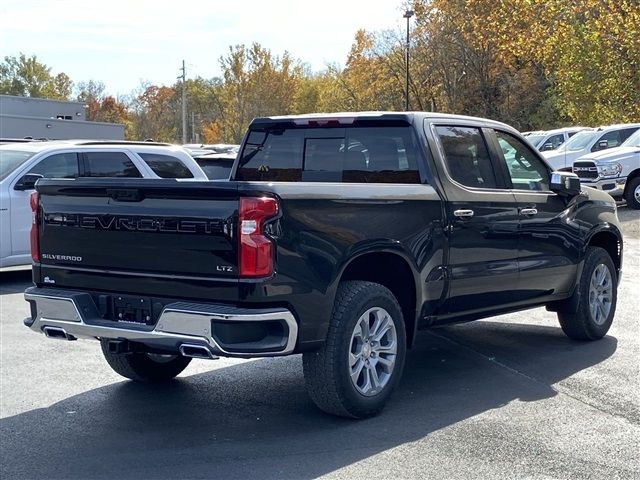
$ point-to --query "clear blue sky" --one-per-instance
(122, 43)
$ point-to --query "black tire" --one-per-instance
(630, 197)
(578, 321)
(142, 367)
(327, 371)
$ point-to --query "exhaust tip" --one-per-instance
(57, 333)
(196, 351)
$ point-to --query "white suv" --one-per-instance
(21, 165)
(615, 171)
(588, 141)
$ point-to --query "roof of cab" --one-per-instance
(370, 115)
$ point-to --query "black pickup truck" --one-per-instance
(339, 236)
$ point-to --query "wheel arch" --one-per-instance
(393, 270)
(610, 239)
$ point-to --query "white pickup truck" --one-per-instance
(615, 171)
(589, 141)
(22, 164)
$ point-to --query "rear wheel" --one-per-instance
(632, 195)
(362, 359)
(145, 367)
(594, 302)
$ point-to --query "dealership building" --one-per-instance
(22, 117)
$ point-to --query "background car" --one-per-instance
(589, 141)
(203, 149)
(552, 139)
(22, 164)
(615, 171)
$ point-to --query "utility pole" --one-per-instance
(193, 126)
(408, 14)
(184, 103)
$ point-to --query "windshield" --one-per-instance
(536, 140)
(633, 140)
(579, 141)
(12, 159)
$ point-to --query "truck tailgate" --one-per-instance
(162, 227)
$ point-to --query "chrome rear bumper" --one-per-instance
(72, 314)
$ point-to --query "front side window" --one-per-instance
(526, 170)
(110, 164)
(554, 141)
(579, 141)
(608, 140)
(166, 166)
(467, 156)
(60, 165)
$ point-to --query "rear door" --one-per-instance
(549, 241)
(482, 221)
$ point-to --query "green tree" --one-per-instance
(255, 83)
(27, 77)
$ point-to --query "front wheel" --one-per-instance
(144, 367)
(594, 300)
(361, 362)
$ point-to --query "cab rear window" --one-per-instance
(350, 155)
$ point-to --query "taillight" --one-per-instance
(34, 201)
(256, 250)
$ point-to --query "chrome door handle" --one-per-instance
(463, 213)
(528, 211)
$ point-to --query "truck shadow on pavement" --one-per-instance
(254, 420)
(15, 281)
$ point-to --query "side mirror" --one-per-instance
(565, 183)
(28, 182)
(547, 146)
(602, 144)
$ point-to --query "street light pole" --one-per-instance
(184, 103)
(407, 14)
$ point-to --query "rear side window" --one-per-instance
(166, 166)
(467, 156)
(350, 155)
(60, 165)
(110, 164)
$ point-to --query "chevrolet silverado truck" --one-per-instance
(337, 237)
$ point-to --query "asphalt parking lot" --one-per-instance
(508, 397)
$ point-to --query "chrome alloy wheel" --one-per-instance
(636, 193)
(600, 294)
(372, 353)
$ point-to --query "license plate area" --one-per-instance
(130, 309)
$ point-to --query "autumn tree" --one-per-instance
(155, 114)
(587, 52)
(27, 77)
(254, 83)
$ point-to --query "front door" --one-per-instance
(482, 223)
(549, 241)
